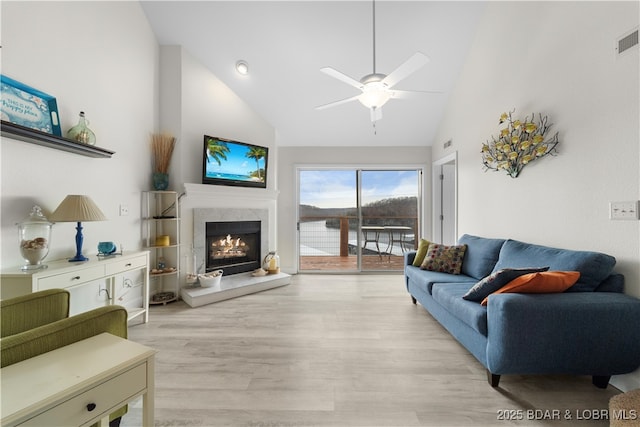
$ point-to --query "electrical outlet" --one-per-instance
(623, 210)
(124, 210)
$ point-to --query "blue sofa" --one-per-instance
(592, 328)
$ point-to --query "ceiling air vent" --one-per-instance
(627, 41)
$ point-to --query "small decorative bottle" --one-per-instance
(81, 132)
(34, 233)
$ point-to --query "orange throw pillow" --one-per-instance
(545, 282)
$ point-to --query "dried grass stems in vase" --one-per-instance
(162, 148)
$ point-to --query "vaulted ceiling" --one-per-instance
(285, 43)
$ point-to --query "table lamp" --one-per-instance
(76, 208)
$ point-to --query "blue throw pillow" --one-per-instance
(497, 280)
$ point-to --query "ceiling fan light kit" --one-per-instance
(376, 87)
(374, 95)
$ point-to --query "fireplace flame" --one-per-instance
(228, 247)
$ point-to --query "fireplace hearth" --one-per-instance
(231, 285)
(233, 246)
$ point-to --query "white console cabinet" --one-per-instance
(98, 277)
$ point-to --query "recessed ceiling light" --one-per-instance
(242, 67)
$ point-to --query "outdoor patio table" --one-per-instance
(371, 233)
(397, 234)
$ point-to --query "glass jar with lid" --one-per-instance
(271, 263)
(34, 236)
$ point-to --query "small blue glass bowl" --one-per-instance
(106, 248)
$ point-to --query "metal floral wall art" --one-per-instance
(519, 143)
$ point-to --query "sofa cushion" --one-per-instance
(497, 280)
(449, 295)
(546, 282)
(421, 252)
(594, 267)
(613, 283)
(481, 255)
(425, 279)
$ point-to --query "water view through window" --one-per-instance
(355, 219)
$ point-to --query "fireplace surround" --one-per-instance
(205, 204)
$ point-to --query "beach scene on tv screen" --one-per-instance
(235, 162)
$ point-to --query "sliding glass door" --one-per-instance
(352, 220)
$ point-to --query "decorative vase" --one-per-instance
(81, 132)
(160, 181)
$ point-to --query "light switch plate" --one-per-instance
(624, 210)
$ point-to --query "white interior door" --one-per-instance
(445, 195)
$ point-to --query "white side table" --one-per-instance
(79, 384)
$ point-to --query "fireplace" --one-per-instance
(233, 246)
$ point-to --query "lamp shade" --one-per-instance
(77, 208)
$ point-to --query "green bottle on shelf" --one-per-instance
(81, 132)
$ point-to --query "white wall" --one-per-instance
(556, 58)
(291, 157)
(194, 103)
(99, 57)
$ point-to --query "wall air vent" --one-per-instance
(627, 41)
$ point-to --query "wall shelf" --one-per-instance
(155, 204)
(22, 133)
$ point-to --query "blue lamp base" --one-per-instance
(79, 239)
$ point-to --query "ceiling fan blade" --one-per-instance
(405, 69)
(333, 104)
(404, 94)
(376, 114)
(342, 77)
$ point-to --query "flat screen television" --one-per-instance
(227, 162)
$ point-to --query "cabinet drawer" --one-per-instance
(126, 264)
(106, 397)
(66, 280)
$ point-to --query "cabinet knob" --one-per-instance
(91, 407)
(128, 265)
(75, 278)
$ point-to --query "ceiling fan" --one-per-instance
(377, 88)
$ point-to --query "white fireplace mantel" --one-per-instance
(230, 193)
(258, 201)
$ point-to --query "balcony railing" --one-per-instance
(333, 241)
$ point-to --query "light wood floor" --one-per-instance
(335, 350)
(348, 264)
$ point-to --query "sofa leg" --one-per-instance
(413, 300)
(601, 381)
(493, 379)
